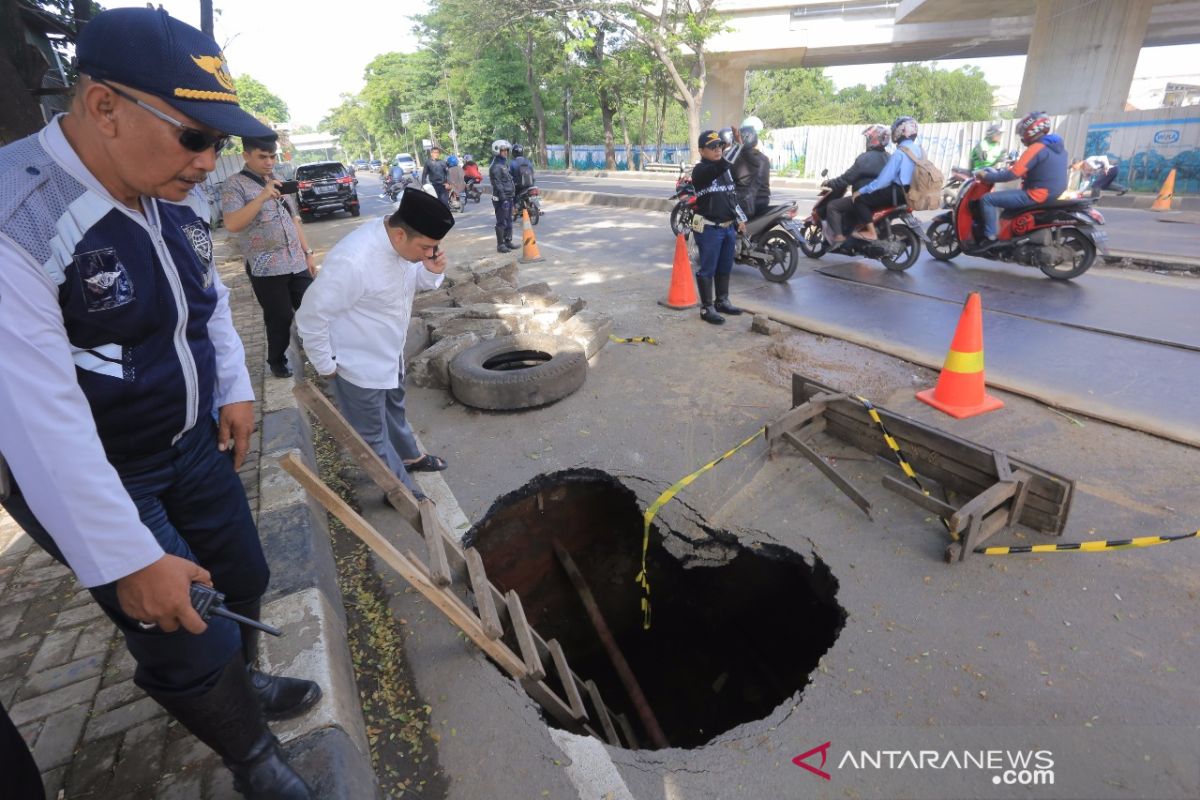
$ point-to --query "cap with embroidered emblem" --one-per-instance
(150, 50)
(708, 138)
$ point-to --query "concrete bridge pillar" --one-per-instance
(724, 95)
(1082, 55)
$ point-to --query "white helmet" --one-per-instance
(753, 122)
(500, 144)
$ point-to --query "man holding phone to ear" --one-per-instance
(354, 321)
(278, 259)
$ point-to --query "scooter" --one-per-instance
(471, 193)
(958, 176)
(899, 232)
(1059, 237)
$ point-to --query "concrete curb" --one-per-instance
(329, 744)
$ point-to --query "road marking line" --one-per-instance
(555, 247)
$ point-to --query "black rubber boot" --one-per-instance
(707, 312)
(228, 719)
(723, 305)
(280, 697)
(508, 241)
(501, 246)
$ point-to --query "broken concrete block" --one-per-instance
(457, 274)
(505, 271)
(764, 326)
(504, 295)
(417, 338)
(535, 288)
(590, 329)
(495, 283)
(549, 319)
(434, 299)
(538, 300)
(483, 328)
(431, 369)
(576, 304)
(466, 293)
(435, 316)
(517, 317)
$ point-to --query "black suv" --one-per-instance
(325, 187)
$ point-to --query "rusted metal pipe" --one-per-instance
(628, 679)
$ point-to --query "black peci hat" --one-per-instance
(424, 213)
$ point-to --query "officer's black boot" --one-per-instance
(723, 305)
(280, 697)
(508, 240)
(501, 247)
(707, 312)
(228, 719)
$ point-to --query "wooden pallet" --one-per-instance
(446, 578)
(1003, 491)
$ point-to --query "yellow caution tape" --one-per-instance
(631, 339)
(1093, 546)
(642, 578)
(894, 446)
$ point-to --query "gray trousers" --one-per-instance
(378, 416)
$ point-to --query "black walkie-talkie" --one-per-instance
(208, 601)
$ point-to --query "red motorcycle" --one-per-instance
(1059, 237)
(898, 245)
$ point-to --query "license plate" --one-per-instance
(1100, 236)
(326, 189)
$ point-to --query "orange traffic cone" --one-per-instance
(1165, 194)
(682, 293)
(960, 391)
(529, 248)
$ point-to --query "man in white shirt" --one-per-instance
(354, 320)
(123, 386)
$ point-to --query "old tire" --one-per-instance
(521, 371)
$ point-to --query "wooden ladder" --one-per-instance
(449, 572)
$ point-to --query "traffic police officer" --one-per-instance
(718, 221)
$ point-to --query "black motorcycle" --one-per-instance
(528, 200)
(685, 203)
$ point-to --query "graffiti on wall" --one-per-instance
(1147, 151)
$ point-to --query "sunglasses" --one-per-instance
(712, 145)
(197, 141)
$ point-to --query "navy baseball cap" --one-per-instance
(709, 137)
(149, 50)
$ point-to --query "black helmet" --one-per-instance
(726, 135)
(749, 136)
(518, 150)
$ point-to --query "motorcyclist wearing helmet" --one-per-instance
(1042, 169)
(436, 173)
(889, 187)
(864, 169)
(748, 175)
(521, 169)
(503, 193)
(989, 152)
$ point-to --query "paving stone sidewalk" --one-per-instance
(66, 677)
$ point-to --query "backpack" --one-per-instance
(925, 191)
(524, 176)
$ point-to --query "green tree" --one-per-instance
(785, 98)
(934, 95)
(259, 100)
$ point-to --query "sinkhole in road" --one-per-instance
(735, 630)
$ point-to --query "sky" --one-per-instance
(309, 52)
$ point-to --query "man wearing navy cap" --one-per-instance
(354, 320)
(119, 351)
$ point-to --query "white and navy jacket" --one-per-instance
(116, 339)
